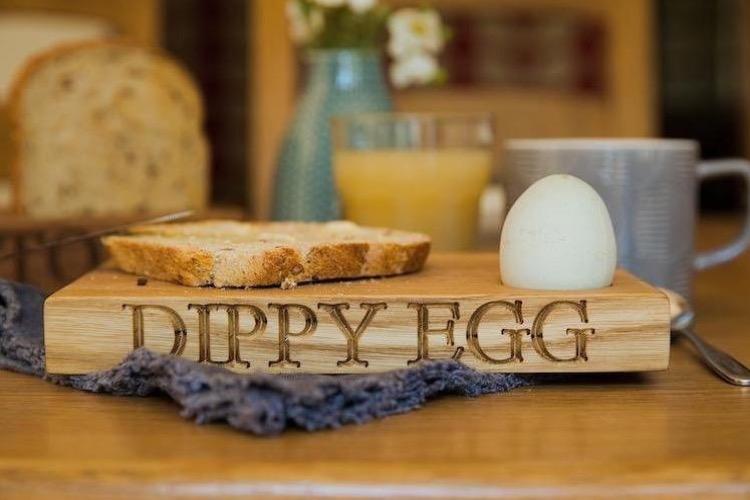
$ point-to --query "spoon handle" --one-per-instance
(722, 363)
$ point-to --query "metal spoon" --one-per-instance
(683, 321)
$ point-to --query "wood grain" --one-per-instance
(744, 27)
(455, 307)
(137, 19)
(678, 433)
(273, 69)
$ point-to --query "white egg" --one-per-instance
(558, 236)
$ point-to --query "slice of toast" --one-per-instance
(242, 254)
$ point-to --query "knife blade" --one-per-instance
(99, 233)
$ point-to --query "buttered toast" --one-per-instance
(243, 254)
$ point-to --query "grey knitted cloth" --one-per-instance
(260, 403)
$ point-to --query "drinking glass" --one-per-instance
(415, 171)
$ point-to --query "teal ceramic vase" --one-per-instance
(339, 82)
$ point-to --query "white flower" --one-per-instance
(330, 3)
(417, 68)
(413, 30)
(361, 6)
(303, 27)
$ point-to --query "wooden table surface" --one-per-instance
(677, 433)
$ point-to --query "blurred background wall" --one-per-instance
(676, 68)
(704, 84)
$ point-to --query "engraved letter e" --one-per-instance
(424, 330)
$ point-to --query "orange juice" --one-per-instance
(435, 191)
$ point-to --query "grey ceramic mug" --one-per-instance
(649, 186)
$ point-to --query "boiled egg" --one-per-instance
(558, 235)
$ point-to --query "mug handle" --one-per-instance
(720, 168)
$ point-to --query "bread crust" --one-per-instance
(283, 265)
(190, 267)
(31, 66)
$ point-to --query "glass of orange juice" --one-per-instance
(415, 171)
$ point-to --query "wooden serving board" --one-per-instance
(455, 307)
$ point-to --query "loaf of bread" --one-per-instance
(241, 254)
(106, 128)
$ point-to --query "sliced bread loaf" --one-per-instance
(241, 254)
(106, 128)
